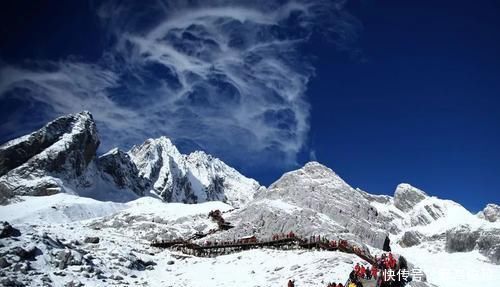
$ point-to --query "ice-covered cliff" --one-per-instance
(193, 178)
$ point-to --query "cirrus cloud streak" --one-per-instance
(224, 76)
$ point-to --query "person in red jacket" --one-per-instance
(374, 272)
(362, 272)
(356, 268)
(392, 261)
(333, 244)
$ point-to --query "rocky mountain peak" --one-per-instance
(312, 174)
(192, 178)
(314, 200)
(62, 149)
(151, 155)
(18, 151)
(407, 196)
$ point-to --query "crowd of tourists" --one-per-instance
(384, 265)
(281, 236)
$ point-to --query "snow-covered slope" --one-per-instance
(57, 209)
(57, 252)
(446, 269)
(192, 178)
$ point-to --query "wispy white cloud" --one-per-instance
(225, 76)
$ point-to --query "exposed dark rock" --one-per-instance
(4, 263)
(59, 273)
(411, 238)
(140, 265)
(91, 239)
(116, 277)
(51, 242)
(491, 212)
(6, 230)
(215, 190)
(489, 244)
(123, 171)
(11, 282)
(26, 254)
(14, 155)
(6, 194)
(461, 239)
(68, 257)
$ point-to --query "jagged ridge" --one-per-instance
(61, 156)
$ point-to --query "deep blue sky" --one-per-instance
(419, 104)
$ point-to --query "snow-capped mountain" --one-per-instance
(61, 157)
(312, 200)
(192, 178)
(315, 200)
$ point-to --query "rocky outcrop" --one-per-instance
(6, 230)
(91, 239)
(464, 239)
(411, 238)
(407, 196)
(123, 172)
(489, 244)
(491, 213)
(461, 239)
(420, 208)
(36, 164)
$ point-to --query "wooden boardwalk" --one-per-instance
(219, 248)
